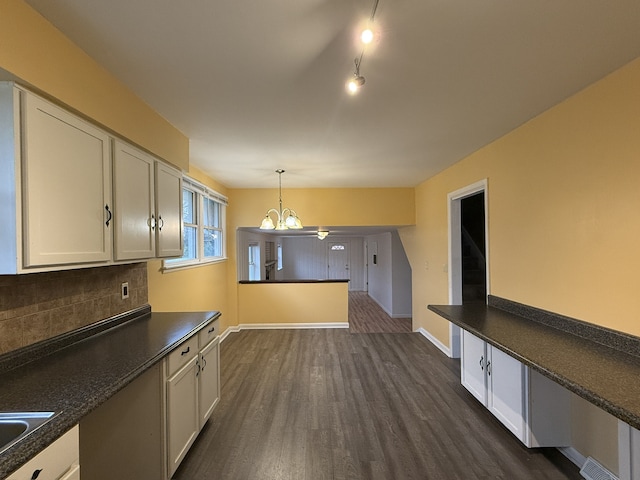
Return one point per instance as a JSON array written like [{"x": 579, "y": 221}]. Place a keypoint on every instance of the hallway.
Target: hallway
[{"x": 366, "y": 316}]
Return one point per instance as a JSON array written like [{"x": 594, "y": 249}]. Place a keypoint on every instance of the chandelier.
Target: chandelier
[{"x": 287, "y": 218}]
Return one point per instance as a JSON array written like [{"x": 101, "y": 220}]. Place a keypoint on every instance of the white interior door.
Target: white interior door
[
  {"x": 338, "y": 261},
  {"x": 254, "y": 261}
]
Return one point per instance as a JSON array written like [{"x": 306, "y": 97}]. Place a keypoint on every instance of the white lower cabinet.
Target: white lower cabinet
[
  {"x": 209, "y": 391},
  {"x": 193, "y": 391},
  {"x": 628, "y": 452},
  {"x": 59, "y": 461},
  {"x": 182, "y": 402},
  {"x": 534, "y": 408}
]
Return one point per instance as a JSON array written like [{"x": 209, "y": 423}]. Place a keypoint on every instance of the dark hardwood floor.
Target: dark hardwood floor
[
  {"x": 366, "y": 316},
  {"x": 330, "y": 404}
]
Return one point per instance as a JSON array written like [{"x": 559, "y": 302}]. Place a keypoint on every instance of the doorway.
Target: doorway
[
  {"x": 254, "y": 261},
  {"x": 338, "y": 263},
  {"x": 468, "y": 249},
  {"x": 472, "y": 239}
]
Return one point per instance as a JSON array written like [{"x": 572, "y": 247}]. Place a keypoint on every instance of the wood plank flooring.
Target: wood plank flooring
[
  {"x": 366, "y": 316},
  {"x": 330, "y": 404}
]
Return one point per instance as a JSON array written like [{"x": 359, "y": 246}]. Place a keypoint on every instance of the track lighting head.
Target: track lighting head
[
  {"x": 355, "y": 83},
  {"x": 366, "y": 36},
  {"x": 358, "y": 80}
]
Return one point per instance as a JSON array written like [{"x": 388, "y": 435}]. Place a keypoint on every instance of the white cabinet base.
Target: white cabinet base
[
  {"x": 628, "y": 451},
  {"x": 534, "y": 408}
]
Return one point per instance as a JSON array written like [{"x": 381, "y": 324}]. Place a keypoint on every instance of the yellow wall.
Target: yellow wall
[
  {"x": 316, "y": 207},
  {"x": 328, "y": 206},
  {"x": 192, "y": 289},
  {"x": 564, "y": 226},
  {"x": 39, "y": 56},
  {"x": 276, "y": 303}
]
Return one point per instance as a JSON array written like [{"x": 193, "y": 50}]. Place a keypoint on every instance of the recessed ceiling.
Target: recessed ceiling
[{"x": 261, "y": 85}]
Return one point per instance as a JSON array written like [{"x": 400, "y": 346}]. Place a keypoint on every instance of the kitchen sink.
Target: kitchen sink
[{"x": 16, "y": 425}]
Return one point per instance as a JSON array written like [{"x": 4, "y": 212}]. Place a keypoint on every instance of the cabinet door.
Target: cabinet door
[
  {"x": 507, "y": 381},
  {"x": 66, "y": 184},
  {"x": 182, "y": 413},
  {"x": 169, "y": 211},
  {"x": 209, "y": 388},
  {"x": 72, "y": 474},
  {"x": 133, "y": 202},
  {"x": 473, "y": 359}
]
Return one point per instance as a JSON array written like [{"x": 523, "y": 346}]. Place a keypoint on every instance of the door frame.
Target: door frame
[{"x": 455, "y": 251}]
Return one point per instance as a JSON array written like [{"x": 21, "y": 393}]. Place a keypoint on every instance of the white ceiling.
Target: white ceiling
[{"x": 259, "y": 85}]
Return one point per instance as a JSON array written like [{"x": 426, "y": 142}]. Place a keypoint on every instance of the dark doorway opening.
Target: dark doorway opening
[{"x": 472, "y": 235}]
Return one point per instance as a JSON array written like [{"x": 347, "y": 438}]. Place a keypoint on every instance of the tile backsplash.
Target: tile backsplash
[{"x": 39, "y": 306}]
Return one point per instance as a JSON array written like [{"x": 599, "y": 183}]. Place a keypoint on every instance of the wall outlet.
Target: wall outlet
[{"x": 124, "y": 289}]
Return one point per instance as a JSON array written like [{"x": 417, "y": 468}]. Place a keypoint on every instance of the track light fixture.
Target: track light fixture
[
  {"x": 358, "y": 80},
  {"x": 366, "y": 37}
]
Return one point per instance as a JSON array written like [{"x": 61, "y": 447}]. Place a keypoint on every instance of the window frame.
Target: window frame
[{"x": 201, "y": 192}]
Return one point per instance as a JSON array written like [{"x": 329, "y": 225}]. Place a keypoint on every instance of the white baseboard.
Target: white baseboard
[
  {"x": 280, "y": 326},
  {"x": 228, "y": 331},
  {"x": 446, "y": 350},
  {"x": 276, "y": 326},
  {"x": 574, "y": 455}
]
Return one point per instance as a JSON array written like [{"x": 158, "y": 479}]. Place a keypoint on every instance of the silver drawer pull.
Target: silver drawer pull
[{"x": 186, "y": 351}]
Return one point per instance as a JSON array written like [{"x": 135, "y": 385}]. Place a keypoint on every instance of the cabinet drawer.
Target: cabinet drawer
[
  {"x": 181, "y": 355},
  {"x": 54, "y": 461},
  {"x": 208, "y": 333}
]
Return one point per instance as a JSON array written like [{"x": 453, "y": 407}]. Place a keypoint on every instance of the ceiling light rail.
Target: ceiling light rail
[{"x": 367, "y": 35}]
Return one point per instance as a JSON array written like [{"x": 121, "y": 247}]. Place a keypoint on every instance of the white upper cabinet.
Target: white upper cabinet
[
  {"x": 169, "y": 211},
  {"x": 61, "y": 204},
  {"x": 66, "y": 187},
  {"x": 134, "y": 203}
]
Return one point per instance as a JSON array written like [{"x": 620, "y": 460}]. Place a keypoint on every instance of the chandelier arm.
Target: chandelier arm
[{"x": 274, "y": 211}]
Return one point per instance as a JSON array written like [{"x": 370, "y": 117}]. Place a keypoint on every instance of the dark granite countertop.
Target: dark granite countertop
[
  {"x": 578, "y": 359},
  {"x": 77, "y": 378}
]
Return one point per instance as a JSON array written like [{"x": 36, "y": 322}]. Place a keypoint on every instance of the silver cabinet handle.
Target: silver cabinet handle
[
  {"x": 488, "y": 368},
  {"x": 482, "y": 362}
]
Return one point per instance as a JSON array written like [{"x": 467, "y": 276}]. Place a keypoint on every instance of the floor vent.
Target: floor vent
[{"x": 592, "y": 470}]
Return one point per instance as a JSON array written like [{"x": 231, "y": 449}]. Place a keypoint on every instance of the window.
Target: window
[{"x": 203, "y": 216}]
